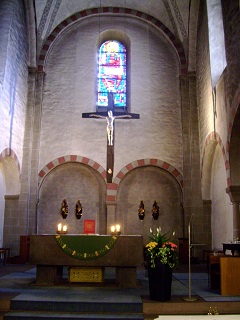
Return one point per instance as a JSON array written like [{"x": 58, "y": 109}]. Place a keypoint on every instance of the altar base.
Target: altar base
[{"x": 85, "y": 274}]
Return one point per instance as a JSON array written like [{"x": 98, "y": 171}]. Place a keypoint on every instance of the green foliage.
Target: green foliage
[{"x": 161, "y": 249}]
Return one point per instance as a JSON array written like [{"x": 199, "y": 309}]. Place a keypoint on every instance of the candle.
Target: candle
[
  {"x": 112, "y": 228},
  {"x": 65, "y": 228},
  {"x": 118, "y": 228},
  {"x": 59, "y": 227}
]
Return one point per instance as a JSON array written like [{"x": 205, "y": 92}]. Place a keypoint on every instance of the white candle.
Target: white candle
[
  {"x": 112, "y": 228},
  {"x": 59, "y": 227},
  {"x": 117, "y": 227},
  {"x": 65, "y": 228}
]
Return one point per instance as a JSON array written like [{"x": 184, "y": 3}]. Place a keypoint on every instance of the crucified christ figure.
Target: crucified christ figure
[{"x": 110, "y": 123}]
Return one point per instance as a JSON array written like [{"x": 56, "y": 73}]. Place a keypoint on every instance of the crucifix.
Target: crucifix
[{"x": 110, "y": 115}]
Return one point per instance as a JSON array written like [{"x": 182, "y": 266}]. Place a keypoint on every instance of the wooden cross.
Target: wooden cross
[{"x": 110, "y": 115}]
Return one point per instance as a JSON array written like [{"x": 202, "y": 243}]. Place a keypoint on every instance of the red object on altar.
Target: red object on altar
[{"x": 89, "y": 226}]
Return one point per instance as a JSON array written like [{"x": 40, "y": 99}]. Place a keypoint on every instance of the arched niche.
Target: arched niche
[
  {"x": 71, "y": 181},
  {"x": 9, "y": 193},
  {"x": 149, "y": 183},
  {"x": 11, "y": 175}
]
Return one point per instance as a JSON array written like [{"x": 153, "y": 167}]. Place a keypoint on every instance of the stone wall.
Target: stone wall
[
  {"x": 69, "y": 90},
  {"x": 73, "y": 182},
  {"x": 231, "y": 18},
  {"x": 13, "y": 100},
  {"x": 215, "y": 117},
  {"x": 149, "y": 184},
  {"x": 13, "y": 75}
]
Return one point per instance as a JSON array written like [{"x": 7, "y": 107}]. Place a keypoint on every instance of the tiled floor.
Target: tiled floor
[{"x": 18, "y": 280}]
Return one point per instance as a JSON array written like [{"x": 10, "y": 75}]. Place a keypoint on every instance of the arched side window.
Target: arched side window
[
  {"x": 216, "y": 40},
  {"x": 112, "y": 75}
]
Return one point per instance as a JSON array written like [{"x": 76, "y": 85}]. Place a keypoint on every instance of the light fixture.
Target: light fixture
[
  {"x": 62, "y": 229},
  {"x": 115, "y": 230}
]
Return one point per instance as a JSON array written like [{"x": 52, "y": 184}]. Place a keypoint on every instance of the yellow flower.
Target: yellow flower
[
  {"x": 151, "y": 245},
  {"x": 161, "y": 249}
]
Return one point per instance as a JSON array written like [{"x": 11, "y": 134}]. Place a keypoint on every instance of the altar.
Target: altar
[{"x": 50, "y": 253}]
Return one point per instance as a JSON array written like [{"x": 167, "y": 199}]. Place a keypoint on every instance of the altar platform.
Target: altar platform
[{"x": 17, "y": 284}]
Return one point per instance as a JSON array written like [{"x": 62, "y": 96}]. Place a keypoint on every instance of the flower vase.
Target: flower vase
[{"x": 160, "y": 282}]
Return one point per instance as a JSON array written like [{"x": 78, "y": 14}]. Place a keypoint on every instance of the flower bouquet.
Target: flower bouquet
[
  {"x": 161, "y": 249},
  {"x": 161, "y": 255}
]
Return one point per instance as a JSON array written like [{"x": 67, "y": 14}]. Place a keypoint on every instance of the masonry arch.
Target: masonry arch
[
  {"x": 9, "y": 184},
  {"x": 149, "y": 180},
  {"x": 214, "y": 183},
  {"x": 112, "y": 188},
  {"x": 73, "y": 181},
  {"x": 104, "y": 11},
  {"x": 211, "y": 143}
]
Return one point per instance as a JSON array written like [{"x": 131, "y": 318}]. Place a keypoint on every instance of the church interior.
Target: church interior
[{"x": 112, "y": 110}]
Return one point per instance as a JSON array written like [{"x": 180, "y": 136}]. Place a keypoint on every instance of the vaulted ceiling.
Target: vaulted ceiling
[{"x": 178, "y": 16}]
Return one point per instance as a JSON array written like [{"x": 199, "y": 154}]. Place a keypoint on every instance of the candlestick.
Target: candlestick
[{"x": 115, "y": 230}]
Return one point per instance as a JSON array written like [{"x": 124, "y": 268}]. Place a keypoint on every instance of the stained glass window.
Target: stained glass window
[{"x": 112, "y": 74}]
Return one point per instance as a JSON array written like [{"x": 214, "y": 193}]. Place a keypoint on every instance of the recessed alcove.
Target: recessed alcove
[{"x": 73, "y": 182}]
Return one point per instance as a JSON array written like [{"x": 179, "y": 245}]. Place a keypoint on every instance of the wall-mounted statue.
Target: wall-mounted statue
[
  {"x": 64, "y": 209},
  {"x": 155, "y": 210},
  {"x": 141, "y": 211},
  {"x": 78, "y": 209}
]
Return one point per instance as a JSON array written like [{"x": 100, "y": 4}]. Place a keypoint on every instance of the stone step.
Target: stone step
[
  {"x": 36, "y": 315},
  {"x": 80, "y": 306},
  {"x": 90, "y": 303}
]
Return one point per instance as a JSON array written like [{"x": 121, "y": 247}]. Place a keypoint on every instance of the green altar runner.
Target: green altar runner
[
  {"x": 50, "y": 253},
  {"x": 90, "y": 247}
]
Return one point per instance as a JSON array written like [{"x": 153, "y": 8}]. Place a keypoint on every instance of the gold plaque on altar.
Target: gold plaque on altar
[{"x": 76, "y": 274}]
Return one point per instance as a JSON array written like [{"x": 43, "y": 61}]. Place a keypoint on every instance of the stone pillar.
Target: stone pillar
[
  {"x": 111, "y": 219},
  {"x": 29, "y": 191},
  {"x": 192, "y": 195},
  {"x": 192, "y": 199},
  {"x": 234, "y": 194}
]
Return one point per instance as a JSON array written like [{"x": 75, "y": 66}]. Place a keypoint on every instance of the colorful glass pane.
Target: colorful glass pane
[{"x": 112, "y": 73}]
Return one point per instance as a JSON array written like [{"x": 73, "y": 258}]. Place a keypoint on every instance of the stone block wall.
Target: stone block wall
[{"x": 13, "y": 101}]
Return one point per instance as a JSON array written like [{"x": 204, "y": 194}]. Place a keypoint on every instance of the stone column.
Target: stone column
[
  {"x": 29, "y": 191},
  {"x": 192, "y": 200},
  {"x": 234, "y": 194},
  {"x": 111, "y": 210}
]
